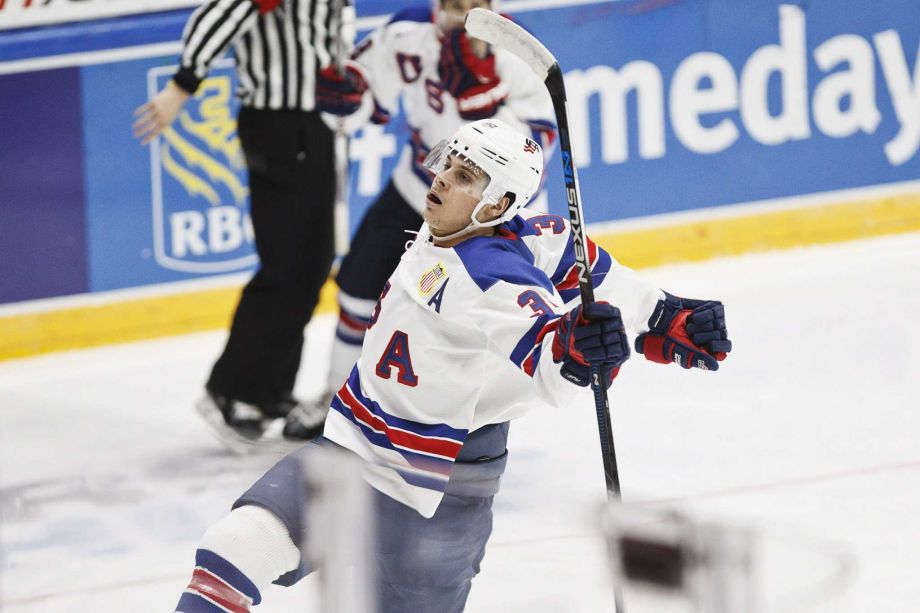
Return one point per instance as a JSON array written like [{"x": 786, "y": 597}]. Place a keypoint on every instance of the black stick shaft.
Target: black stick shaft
[{"x": 556, "y": 87}]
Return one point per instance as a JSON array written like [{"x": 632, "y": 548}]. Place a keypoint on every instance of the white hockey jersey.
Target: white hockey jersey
[
  {"x": 400, "y": 60},
  {"x": 461, "y": 338}
]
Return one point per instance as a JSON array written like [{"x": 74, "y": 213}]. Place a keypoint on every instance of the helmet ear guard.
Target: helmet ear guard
[{"x": 513, "y": 162}]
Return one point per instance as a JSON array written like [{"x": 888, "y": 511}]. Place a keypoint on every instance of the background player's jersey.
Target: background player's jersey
[
  {"x": 461, "y": 338},
  {"x": 400, "y": 60}
]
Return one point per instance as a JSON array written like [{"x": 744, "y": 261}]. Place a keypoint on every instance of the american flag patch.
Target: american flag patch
[
  {"x": 530, "y": 146},
  {"x": 431, "y": 278}
]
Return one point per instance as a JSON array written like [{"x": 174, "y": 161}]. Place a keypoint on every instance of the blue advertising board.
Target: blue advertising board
[
  {"x": 176, "y": 208},
  {"x": 675, "y": 105},
  {"x": 702, "y": 103},
  {"x": 179, "y": 208},
  {"x": 42, "y": 212}
]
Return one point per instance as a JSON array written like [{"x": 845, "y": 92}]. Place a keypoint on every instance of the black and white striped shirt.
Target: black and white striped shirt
[{"x": 279, "y": 49}]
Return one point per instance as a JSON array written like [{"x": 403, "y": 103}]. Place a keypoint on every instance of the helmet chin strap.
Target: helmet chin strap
[{"x": 474, "y": 224}]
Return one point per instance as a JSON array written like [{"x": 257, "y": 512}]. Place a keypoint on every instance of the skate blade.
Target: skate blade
[{"x": 237, "y": 443}]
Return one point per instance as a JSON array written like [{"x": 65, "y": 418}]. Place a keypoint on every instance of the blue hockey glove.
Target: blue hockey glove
[
  {"x": 689, "y": 332},
  {"x": 340, "y": 94},
  {"x": 591, "y": 337}
]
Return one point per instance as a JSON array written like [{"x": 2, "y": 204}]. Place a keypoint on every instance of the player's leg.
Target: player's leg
[
  {"x": 424, "y": 564},
  {"x": 236, "y": 558},
  {"x": 375, "y": 251},
  {"x": 258, "y": 543},
  {"x": 429, "y": 564},
  {"x": 291, "y": 183}
]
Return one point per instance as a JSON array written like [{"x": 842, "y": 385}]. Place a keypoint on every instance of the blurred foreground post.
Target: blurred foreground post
[{"x": 339, "y": 541}]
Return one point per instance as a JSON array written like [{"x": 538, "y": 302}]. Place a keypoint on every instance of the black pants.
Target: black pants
[
  {"x": 378, "y": 244},
  {"x": 290, "y": 155}
]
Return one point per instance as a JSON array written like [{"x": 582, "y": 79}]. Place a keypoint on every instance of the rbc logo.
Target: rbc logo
[{"x": 201, "y": 220}]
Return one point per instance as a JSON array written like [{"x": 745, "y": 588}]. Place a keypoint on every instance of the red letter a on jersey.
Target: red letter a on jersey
[{"x": 397, "y": 355}]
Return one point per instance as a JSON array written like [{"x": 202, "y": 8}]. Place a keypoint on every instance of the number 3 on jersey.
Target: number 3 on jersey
[{"x": 397, "y": 356}]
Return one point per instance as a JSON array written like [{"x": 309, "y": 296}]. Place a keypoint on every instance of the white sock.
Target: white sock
[
  {"x": 256, "y": 542},
  {"x": 237, "y": 557}
]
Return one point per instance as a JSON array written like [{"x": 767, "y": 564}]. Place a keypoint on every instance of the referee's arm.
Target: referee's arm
[{"x": 210, "y": 31}]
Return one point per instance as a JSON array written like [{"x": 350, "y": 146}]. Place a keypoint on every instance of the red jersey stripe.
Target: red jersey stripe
[{"x": 414, "y": 442}]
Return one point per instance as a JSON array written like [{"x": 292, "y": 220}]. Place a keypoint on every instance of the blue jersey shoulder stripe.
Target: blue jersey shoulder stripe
[
  {"x": 565, "y": 263},
  {"x": 531, "y": 339},
  {"x": 598, "y": 274},
  {"x": 490, "y": 259},
  {"x": 420, "y": 14},
  {"x": 519, "y": 226},
  {"x": 601, "y": 267},
  {"x": 535, "y": 225}
]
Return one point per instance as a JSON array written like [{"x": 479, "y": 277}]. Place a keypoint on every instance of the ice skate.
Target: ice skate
[
  {"x": 305, "y": 421},
  {"x": 238, "y": 425}
]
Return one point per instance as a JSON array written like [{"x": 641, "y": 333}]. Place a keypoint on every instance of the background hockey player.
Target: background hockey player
[
  {"x": 444, "y": 79},
  {"x": 289, "y": 158},
  {"x": 478, "y": 324}
]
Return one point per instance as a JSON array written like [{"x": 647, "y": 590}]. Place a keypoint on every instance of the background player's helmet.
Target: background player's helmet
[{"x": 513, "y": 162}]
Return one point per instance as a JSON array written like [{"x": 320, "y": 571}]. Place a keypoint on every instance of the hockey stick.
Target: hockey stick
[
  {"x": 340, "y": 210},
  {"x": 501, "y": 32}
]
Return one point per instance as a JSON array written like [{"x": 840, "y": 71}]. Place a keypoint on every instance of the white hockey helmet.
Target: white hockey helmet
[{"x": 513, "y": 162}]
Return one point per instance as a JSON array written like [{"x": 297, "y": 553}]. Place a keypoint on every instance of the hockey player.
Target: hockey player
[
  {"x": 444, "y": 79},
  {"x": 478, "y": 324}
]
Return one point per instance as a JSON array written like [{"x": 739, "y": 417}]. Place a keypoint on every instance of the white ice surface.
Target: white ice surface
[{"x": 811, "y": 428}]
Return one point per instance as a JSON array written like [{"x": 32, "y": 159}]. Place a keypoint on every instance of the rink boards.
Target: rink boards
[{"x": 700, "y": 128}]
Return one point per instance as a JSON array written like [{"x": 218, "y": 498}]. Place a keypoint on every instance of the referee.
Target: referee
[{"x": 280, "y": 47}]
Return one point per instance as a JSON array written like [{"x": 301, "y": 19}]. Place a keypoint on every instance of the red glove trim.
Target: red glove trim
[
  {"x": 562, "y": 327},
  {"x": 653, "y": 348},
  {"x": 660, "y": 348},
  {"x": 678, "y": 329}
]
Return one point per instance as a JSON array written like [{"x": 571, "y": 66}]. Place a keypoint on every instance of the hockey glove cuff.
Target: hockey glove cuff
[
  {"x": 482, "y": 101},
  {"x": 689, "y": 332},
  {"x": 588, "y": 337}
]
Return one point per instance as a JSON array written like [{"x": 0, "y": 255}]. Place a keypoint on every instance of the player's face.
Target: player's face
[
  {"x": 453, "y": 12},
  {"x": 454, "y": 193}
]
